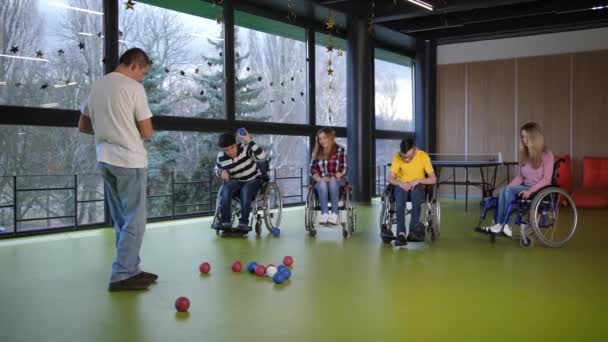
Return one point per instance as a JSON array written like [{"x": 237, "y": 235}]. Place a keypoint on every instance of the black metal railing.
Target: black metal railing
[{"x": 180, "y": 196}]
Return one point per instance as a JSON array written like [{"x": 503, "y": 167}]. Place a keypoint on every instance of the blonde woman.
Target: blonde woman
[
  {"x": 536, "y": 169},
  {"x": 328, "y": 170}
]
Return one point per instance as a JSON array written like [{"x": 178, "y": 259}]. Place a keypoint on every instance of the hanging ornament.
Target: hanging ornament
[
  {"x": 248, "y": 68},
  {"x": 330, "y": 72},
  {"x": 372, "y": 15},
  {"x": 202, "y": 93},
  {"x": 340, "y": 52},
  {"x": 209, "y": 64},
  {"x": 196, "y": 71},
  {"x": 218, "y": 13},
  {"x": 167, "y": 70},
  {"x": 14, "y": 49},
  {"x": 221, "y": 54},
  {"x": 99, "y": 34},
  {"x": 291, "y": 16},
  {"x": 44, "y": 86},
  {"x": 293, "y": 100},
  {"x": 81, "y": 45},
  {"x": 301, "y": 93},
  {"x": 103, "y": 60},
  {"x": 119, "y": 33},
  {"x": 181, "y": 72},
  {"x": 282, "y": 84},
  {"x": 330, "y": 23},
  {"x": 60, "y": 52},
  {"x": 292, "y": 78},
  {"x": 236, "y": 79},
  {"x": 271, "y": 84},
  {"x": 39, "y": 54},
  {"x": 129, "y": 5},
  {"x": 260, "y": 79},
  {"x": 330, "y": 48},
  {"x": 18, "y": 84}
]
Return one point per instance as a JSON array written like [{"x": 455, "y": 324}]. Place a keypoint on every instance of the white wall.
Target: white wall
[{"x": 538, "y": 45}]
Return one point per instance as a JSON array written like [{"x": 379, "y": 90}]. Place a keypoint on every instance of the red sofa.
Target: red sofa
[{"x": 594, "y": 190}]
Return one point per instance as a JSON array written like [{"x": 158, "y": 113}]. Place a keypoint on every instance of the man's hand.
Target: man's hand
[
  {"x": 407, "y": 186},
  {"x": 246, "y": 138},
  {"x": 414, "y": 183},
  {"x": 225, "y": 175}
]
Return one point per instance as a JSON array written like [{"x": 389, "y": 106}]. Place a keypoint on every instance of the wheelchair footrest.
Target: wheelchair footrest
[
  {"x": 235, "y": 232},
  {"x": 388, "y": 236}
]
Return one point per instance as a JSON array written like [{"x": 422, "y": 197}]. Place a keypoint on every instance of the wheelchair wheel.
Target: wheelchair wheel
[
  {"x": 258, "y": 227},
  {"x": 435, "y": 223},
  {"x": 273, "y": 205},
  {"x": 349, "y": 226},
  {"x": 552, "y": 222},
  {"x": 526, "y": 242},
  {"x": 310, "y": 214}
]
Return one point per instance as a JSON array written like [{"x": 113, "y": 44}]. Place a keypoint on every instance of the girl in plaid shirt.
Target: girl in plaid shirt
[{"x": 328, "y": 170}]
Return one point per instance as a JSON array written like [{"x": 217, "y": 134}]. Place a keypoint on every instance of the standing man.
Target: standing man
[{"x": 117, "y": 114}]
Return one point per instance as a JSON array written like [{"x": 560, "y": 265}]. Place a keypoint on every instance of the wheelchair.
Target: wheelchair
[
  {"x": 267, "y": 206},
  {"x": 549, "y": 215},
  {"x": 430, "y": 214},
  {"x": 347, "y": 219}
]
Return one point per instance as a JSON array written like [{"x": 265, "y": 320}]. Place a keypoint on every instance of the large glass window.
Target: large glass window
[
  {"x": 50, "y": 52},
  {"x": 385, "y": 151},
  {"x": 41, "y": 168},
  {"x": 394, "y": 92},
  {"x": 187, "y": 75},
  {"x": 330, "y": 86},
  {"x": 270, "y": 67}
]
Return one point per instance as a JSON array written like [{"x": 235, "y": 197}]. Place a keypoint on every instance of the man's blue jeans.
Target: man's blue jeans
[
  {"x": 417, "y": 197},
  {"x": 247, "y": 190},
  {"x": 126, "y": 198}
]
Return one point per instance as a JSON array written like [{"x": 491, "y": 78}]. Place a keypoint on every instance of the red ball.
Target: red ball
[
  {"x": 204, "y": 267},
  {"x": 260, "y": 270},
  {"x": 182, "y": 304},
  {"x": 288, "y": 261},
  {"x": 237, "y": 266}
]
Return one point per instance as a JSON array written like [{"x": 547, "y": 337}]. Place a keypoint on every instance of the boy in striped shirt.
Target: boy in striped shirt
[{"x": 237, "y": 166}]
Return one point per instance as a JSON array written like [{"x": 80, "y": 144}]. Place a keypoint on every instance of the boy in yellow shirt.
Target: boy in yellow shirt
[{"x": 411, "y": 170}]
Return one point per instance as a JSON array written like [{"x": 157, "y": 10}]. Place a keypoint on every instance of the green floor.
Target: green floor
[{"x": 53, "y": 288}]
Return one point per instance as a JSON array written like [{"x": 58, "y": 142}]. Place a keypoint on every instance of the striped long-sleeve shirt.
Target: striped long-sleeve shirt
[
  {"x": 243, "y": 167},
  {"x": 329, "y": 167}
]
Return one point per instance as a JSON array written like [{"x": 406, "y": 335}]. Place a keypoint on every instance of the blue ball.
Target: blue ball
[
  {"x": 281, "y": 267},
  {"x": 279, "y": 278},
  {"x": 286, "y": 272},
  {"x": 242, "y": 132},
  {"x": 276, "y": 231},
  {"x": 251, "y": 266}
]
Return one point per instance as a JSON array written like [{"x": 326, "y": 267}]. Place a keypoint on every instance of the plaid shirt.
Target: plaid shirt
[{"x": 329, "y": 167}]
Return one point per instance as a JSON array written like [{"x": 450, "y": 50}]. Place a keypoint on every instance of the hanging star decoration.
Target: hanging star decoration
[
  {"x": 44, "y": 86},
  {"x": 196, "y": 71},
  {"x": 103, "y": 60},
  {"x": 14, "y": 49},
  {"x": 260, "y": 79},
  {"x": 18, "y": 84},
  {"x": 282, "y": 84},
  {"x": 301, "y": 93},
  {"x": 293, "y": 100},
  {"x": 370, "y": 25},
  {"x": 39, "y": 54},
  {"x": 221, "y": 54},
  {"x": 81, "y": 45},
  {"x": 237, "y": 55},
  {"x": 340, "y": 52},
  {"x": 99, "y": 34},
  {"x": 271, "y": 84},
  {"x": 218, "y": 19},
  {"x": 60, "y": 52},
  {"x": 167, "y": 70},
  {"x": 330, "y": 48},
  {"x": 202, "y": 93},
  {"x": 292, "y": 78},
  {"x": 181, "y": 72},
  {"x": 236, "y": 79},
  {"x": 248, "y": 68},
  {"x": 330, "y": 71},
  {"x": 214, "y": 87},
  {"x": 330, "y": 23},
  {"x": 129, "y": 5},
  {"x": 291, "y": 16},
  {"x": 120, "y": 33},
  {"x": 209, "y": 63},
  {"x": 67, "y": 82}
]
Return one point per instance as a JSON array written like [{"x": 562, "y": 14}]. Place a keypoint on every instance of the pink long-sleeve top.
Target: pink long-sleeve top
[{"x": 535, "y": 178}]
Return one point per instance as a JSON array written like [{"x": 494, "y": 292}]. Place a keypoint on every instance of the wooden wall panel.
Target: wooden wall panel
[
  {"x": 451, "y": 116},
  {"x": 491, "y": 108},
  {"x": 450, "y": 108},
  {"x": 590, "y": 107},
  {"x": 543, "y": 96}
]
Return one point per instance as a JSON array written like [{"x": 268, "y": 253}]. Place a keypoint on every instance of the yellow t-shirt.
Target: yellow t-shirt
[{"x": 417, "y": 168}]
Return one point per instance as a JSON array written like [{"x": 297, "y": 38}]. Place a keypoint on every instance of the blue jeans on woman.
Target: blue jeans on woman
[
  {"x": 333, "y": 189},
  {"x": 507, "y": 195},
  {"x": 126, "y": 198}
]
